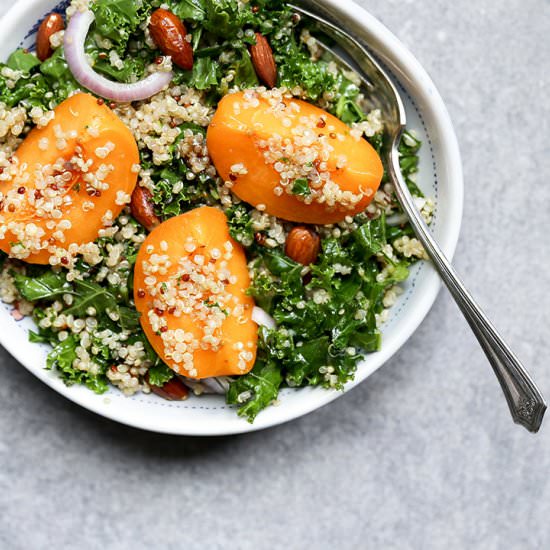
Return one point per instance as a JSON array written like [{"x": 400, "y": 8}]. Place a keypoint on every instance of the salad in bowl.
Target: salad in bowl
[{"x": 192, "y": 200}]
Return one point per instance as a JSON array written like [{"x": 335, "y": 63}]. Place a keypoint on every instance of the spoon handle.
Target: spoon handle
[{"x": 526, "y": 402}]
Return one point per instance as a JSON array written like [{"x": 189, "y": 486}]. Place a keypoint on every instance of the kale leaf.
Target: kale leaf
[
  {"x": 297, "y": 69},
  {"x": 371, "y": 236},
  {"x": 245, "y": 74},
  {"x": 189, "y": 9},
  {"x": 133, "y": 68},
  {"x": 257, "y": 389},
  {"x": 300, "y": 187},
  {"x": 20, "y": 60},
  {"x": 42, "y": 85},
  {"x": 225, "y": 18},
  {"x": 240, "y": 224},
  {"x": 408, "y": 149},
  {"x": 117, "y": 20},
  {"x": 47, "y": 286},
  {"x": 347, "y": 108},
  {"x": 62, "y": 358},
  {"x": 205, "y": 74}
]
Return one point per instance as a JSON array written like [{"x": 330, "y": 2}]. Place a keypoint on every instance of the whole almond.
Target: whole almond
[
  {"x": 170, "y": 36},
  {"x": 303, "y": 245},
  {"x": 50, "y": 25},
  {"x": 173, "y": 390},
  {"x": 143, "y": 209},
  {"x": 263, "y": 61}
]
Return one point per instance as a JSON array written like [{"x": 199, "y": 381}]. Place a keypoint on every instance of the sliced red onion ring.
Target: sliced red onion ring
[
  {"x": 75, "y": 36},
  {"x": 262, "y": 318},
  {"x": 218, "y": 386}
]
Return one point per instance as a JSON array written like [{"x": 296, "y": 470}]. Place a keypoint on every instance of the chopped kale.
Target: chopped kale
[
  {"x": 347, "y": 108},
  {"x": 240, "y": 224},
  {"x": 225, "y": 18},
  {"x": 256, "y": 390},
  {"x": 202, "y": 190},
  {"x": 189, "y": 9},
  {"x": 46, "y": 286},
  {"x": 62, "y": 358},
  {"x": 205, "y": 74},
  {"x": 118, "y": 20},
  {"x": 325, "y": 324},
  {"x": 20, "y": 60},
  {"x": 301, "y": 187},
  {"x": 408, "y": 161}
]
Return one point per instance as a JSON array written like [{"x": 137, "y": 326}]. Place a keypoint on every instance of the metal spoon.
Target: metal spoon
[{"x": 526, "y": 402}]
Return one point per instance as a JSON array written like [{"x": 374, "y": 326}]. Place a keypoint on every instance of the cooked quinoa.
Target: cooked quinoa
[{"x": 328, "y": 314}]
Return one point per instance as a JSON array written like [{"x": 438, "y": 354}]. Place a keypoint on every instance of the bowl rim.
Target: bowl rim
[{"x": 385, "y": 43}]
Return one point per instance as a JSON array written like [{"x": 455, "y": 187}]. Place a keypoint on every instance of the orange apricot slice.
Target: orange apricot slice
[
  {"x": 292, "y": 159},
  {"x": 66, "y": 181},
  {"x": 190, "y": 285}
]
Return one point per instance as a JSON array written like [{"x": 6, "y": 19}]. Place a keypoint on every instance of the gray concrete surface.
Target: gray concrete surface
[{"x": 423, "y": 455}]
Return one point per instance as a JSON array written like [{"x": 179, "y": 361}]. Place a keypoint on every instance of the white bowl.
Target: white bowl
[{"x": 440, "y": 178}]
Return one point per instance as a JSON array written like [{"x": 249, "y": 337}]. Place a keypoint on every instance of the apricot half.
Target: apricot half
[
  {"x": 66, "y": 181},
  {"x": 190, "y": 287},
  {"x": 292, "y": 159}
]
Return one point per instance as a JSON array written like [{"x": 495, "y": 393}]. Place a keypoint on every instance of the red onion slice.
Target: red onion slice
[
  {"x": 262, "y": 318},
  {"x": 209, "y": 386},
  {"x": 75, "y": 36}
]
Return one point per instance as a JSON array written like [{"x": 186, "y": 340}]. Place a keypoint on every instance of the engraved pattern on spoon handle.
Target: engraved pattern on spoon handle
[{"x": 525, "y": 401}]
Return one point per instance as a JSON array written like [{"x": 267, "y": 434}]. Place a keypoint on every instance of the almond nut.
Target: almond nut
[
  {"x": 50, "y": 25},
  {"x": 173, "y": 390},
  {"x": 303, "y": 245},
  {"x": 263, "y": 61},
  {"x": 170, "y": 36},
  {"x": 143, "y": 209}
]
